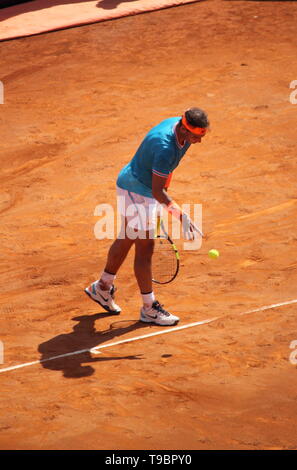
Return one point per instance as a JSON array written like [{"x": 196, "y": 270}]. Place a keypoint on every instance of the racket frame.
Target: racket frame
[{"x": 165, "y": 236}]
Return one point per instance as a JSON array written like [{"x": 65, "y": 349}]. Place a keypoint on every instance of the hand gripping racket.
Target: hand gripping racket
[{"x": 165, "y": 261}]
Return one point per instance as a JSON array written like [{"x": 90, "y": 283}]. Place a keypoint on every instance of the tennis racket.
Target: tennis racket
[{"x": 165, "y": 261}]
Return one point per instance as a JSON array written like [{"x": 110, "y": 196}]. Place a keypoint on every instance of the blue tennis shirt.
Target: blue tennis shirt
[{"x": 159, "y": 153}]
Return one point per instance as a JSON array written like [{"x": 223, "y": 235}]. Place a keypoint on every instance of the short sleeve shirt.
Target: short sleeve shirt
[{"x": 159, "y": 153}]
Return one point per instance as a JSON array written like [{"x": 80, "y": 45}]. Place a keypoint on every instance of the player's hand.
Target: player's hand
[{"x": 190, "y": 230}]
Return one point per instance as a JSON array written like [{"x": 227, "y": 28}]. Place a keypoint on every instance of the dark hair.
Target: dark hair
[{"x": 197, "y": 117}]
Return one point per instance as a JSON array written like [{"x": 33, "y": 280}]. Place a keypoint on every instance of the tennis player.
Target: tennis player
[{"x": 141, "y": 185}]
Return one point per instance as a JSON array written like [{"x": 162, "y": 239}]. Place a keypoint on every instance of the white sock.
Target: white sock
[
  {"x": 148, "y": 299},
  {"x": 106, "y": 280}
]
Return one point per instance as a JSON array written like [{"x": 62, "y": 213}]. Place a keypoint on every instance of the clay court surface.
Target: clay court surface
[{"x": 77, "y": 104}]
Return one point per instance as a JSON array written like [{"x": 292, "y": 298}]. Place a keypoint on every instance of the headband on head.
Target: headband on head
[{"x": 195, "y": 130}]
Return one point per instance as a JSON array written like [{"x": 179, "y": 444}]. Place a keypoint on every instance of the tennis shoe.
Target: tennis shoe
[
  {"x": 157, "y": 314},
  {"x": 103, "y": 297}
]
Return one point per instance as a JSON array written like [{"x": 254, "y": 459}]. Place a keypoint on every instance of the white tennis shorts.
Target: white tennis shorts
[{"x": 138, "y": 214}]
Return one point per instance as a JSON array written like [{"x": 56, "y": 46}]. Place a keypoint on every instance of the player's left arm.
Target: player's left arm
[{"x": 159, "y": 190}]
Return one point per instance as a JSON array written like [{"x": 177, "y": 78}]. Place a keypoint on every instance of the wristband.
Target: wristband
[{"x": 174, "y": 209}]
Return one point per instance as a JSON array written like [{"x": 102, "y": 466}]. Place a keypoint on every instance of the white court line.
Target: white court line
[
  {"x": 270, "y": 306},
  {"x": 189, "y": 325},
  {"x": 137, "y": 338}
]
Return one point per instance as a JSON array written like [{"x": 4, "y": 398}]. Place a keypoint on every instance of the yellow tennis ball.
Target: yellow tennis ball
[{"x": 213, "y": 254}]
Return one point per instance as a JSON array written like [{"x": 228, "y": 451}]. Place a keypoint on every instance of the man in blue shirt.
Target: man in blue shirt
[
  {"x": 143, "y": 183},
  {"x": 159, "y": 154}
]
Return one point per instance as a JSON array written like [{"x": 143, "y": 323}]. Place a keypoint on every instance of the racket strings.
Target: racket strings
[{"x": 164, "y": 263}]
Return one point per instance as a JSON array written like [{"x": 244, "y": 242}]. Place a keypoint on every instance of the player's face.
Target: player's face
[{"x": 193, "y": 138}]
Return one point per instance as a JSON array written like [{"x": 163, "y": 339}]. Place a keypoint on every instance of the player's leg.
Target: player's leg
[
  {"x": 102, "y": 291},
  {"x": 116, "y": 256},
  {"x": 143, "y": 264},
  {"x": 151, "y": 311}
]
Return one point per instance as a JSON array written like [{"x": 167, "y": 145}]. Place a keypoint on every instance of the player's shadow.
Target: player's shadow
[
  {"x": 74, "y": 347},
  {"x": 25, "y": 6},
  {"x": 264, "y": 0},
  {"x": 111, "y": 4}
]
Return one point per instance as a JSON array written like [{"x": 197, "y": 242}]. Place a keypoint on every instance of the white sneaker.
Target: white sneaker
[
  {"x": 103, "y": 297},
  {"x": 156, "y": 314}
]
